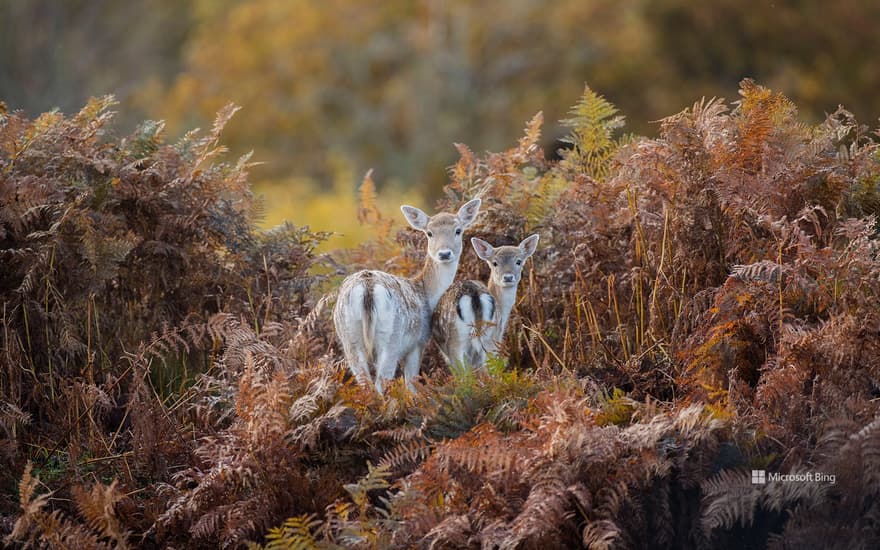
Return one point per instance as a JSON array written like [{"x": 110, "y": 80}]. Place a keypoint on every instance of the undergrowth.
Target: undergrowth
[{"x": 703, "y": 304}]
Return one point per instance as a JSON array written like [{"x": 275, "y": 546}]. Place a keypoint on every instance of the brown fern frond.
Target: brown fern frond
[
  {"x": 481, "y": 450},
  {"x": 547, "y": 507},
  {"x": 31, "y": 507},
  {"x": 528, "y": 144},
  {"x": 600, "y": 535},
  {"x": 368, "y": 210},
  {"x": 452, "y": 532},
  {"x": 764, "y": 270},
  {"x": 407, "y": 453},
  {"x": 98, "y": 507},
  {"x": 730, "y": 498},
  {"x": 52, "y": 530}
]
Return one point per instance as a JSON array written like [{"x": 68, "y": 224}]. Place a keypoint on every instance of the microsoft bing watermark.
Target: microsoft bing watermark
[{"x": 761, "y": 477}]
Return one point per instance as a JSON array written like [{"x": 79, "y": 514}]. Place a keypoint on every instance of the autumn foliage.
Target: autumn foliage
[{"x": 702, "y": 304}]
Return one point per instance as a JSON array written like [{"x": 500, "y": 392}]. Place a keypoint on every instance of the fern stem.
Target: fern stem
[
  {"x": 663, "y": 245},
  {"x": 48, "y": 339},
  {"x": 254, "y": 312},
  {"x": 546, "y": 345},
  {"x": 621, "y": 329},
  {"x": 268, "y": 291}
]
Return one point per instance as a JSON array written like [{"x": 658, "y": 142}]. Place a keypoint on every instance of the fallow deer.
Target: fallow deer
[
  {"x": 470, "y": 318},
  {"x": 383, "y": 320}
]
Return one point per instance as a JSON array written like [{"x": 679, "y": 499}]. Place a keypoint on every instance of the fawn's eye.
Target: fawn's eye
[
  {"x": 458, "y": 231},
  {"x": 430, "y": 234},
  {"x": 519, "y": 262},
  {"x": 495, "y": 264}
]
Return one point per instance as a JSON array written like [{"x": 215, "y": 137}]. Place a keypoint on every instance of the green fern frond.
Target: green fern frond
[
  {"x": 376, "y": 478},
  {"x": 593, "y": 121},
  {"x": 615, "y": 408},
  {"x": 544, "y": 198},
  {"x": 294, "y": 534}
]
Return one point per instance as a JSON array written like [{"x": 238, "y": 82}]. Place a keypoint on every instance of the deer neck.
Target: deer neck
[
  {"x": 505, "y": 298},
  {"x": 435, "y": 278}
]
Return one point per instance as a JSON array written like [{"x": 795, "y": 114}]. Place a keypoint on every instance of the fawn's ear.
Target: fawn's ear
[
  {"x": 483, "y": 249},
  {"x": 529, "y": 245},
  {"x": 468, "y": 213},
  {"x": 415, "y": 217}
]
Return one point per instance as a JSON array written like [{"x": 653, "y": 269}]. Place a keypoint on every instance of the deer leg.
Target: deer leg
[
  {"x": 357, "y": 364},
  {"x": 412, "y": 365},
  {"x": 461, "y": 361},
  {"x": 386, "y": 368},
  {"x": 360, "y": 367},
  {"x": 356, "y": 359},
  {"x": 457, "y": 351}
]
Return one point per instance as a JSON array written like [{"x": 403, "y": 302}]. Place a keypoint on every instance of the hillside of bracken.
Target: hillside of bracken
[{"x": 701, "y": 304}]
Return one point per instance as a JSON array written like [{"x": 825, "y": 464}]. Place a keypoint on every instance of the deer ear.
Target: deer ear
[
  {"x": 468, "y": 213},
  {"x": 483, "y": 249},
  {"x": 415, "y": 217},
  {"x": 529, "y": 245}
]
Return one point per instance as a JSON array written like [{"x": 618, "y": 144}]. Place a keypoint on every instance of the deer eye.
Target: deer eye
[
  {"x": 519, "y": 262},
  {"x": 495, "y": 264},
  {"x": 430, "y": 234},
  {"x": 458, "y": 231}
]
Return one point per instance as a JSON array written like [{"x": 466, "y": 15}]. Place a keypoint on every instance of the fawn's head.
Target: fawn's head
[
  {"x": 506, "y": 262},
  {"x": 444, "y": 230}
]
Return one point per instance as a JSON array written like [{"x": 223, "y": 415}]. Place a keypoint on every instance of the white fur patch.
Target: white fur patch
[
  {"x": 355, "y": 310},
  {"x": 488, "y": 306},
  {"x": 465, "y": 306}
]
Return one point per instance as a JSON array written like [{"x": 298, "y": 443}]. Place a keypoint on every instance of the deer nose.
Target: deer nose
[
  {"x": 508, "y": 278},
  {"x": 444, "y": 255}
]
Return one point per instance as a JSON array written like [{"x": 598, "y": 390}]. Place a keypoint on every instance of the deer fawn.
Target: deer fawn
[
  {"x": 383, "y": 320},
  {"x": 470, "y": 319}
]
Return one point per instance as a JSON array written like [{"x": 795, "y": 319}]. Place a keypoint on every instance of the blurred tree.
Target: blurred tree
[
  {"x": 58, "y": 54},
  {"x": 821, "y": 54},
  {"x": 391, "y": 84},
  {"x": 340, "y": 86}
]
